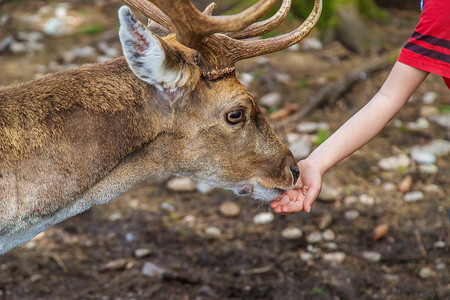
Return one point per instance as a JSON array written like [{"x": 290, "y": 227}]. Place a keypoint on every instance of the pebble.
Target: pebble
[
  {"x": 388, "y": 186},
  {"x": 439, "y": 244},
  {"x": 117, "y": 264},
  {"x": 371, "y": 256},
  {"x": 291, "y": 233},
  {"x": 413, "y": 196},
  {"x": 394, "y": 162},
  {"x": 379, "y": 232},
  {"x": 229, "y": 209},
  {"x": 329, "y": 193},
  {"x": 351, "y": 215},
  {"x": 428, "y": 169},
  {"x": 151, "y": 270},
  {"x": 331, "y": 246},
  {"x": 306, "y": 256},
  {"x": 282, "y": 77},
  {"x": 422, "y": 156},
  {"x": 405, "y": 185},
  {"x": 181, "y": 184},
  {"x": 366, "y": 200},
  {"x": 204, "y": 188},
  {"x": 115, "y": 216},
  {"x": 300, "y": 148},
  {"x": 311, "y": 43},
  {"x": 328, "y": 235},
  {"x": 213, "y": 231},
  {"x": 438, "y": 147},
  {"x": 334, "y": 257},
  {"x": 263, "y": 218},
  {"x": 142, "y": 252},
  {"x": 246, "y": 79},
  {"x": 271, "y": 100},
  {"x": 426, "y": 273},
  {"x": 350, "y": 200},
  {"x": 314, "y": 237},
  {"x": 167, "y": 206},
  {"x": 207, "y": 291},
  {"x": 421, "y": 124},
  {"x": 431, "y": 188},
  {"x": 442, "y": 120},
  {"x": 428, "y": 110},
  {"x": 325, "y": 221},
  {"x": 311, "y": 127},
  {"x": 392, "y": 278},
  {"x": 429, "y": 97}
]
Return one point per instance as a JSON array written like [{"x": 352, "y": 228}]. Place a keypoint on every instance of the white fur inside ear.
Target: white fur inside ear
[{"x": 144, "y": 53}]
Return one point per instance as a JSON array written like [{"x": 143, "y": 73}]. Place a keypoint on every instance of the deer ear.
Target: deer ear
[{"x": 146, "y": 54}]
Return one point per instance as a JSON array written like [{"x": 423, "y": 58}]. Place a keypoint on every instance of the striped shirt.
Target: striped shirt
[{"x": 428, "y": 48}]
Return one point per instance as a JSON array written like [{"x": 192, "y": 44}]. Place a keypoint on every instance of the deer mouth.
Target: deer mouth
[{"x": 256, "y": 191}]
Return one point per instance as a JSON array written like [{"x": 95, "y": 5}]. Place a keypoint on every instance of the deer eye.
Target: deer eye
[{"x": 235, "y": 116}]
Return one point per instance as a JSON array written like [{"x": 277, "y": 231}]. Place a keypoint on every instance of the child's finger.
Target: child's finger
[{"x": 293, "y": 206}]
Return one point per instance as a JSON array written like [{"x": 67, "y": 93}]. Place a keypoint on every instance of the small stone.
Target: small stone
[
  {"x": 246, "y": 79},
  {"x": 431, "y": 188},
  {"x": 388, "y": 186},
  {"x": 271, "y": 100},
  {"x": 428, "y": 169},
  {"x": 422, "y": 156},
  {"x": 311, "y": 127},
  {"x": 405, "y": 185},
  {"x": 204, "y": 188},
  {"x": 351, "y": 215},
  {"x": 181, "y": 184},
  {"x": 350, "y": 200},
  {"x": 413, "y": 196},
  {"x": 331, "y": 246},
  {"x": 115, "y": 216},
  {"x": 328, "y": 235},
  {"x": 427, "y": 111},
  {"x": 334, "y": 257},
  {"x": 291, "y": 233},
  {"x": 329, "y": 193},
  {"x": 429, "y": 97},
  {"x": 300, "y": 148},
  {"x": 366, "y": 200},
  {"x": 229, "y": 209},
  {"x": 439, "y": 244},
  {"x": 421, "y": 124},
  {"x": 325, "y": 221},
  {"x": 117, "y": 264},
  {"x": 379, "y": 232},
  {"x": 213, "y": 231},
  {"x": 442, "y": 120},
  {"x": 263, "y": 218},
  {"x": 153, "y": 271},
  {"x": 311, "y": 43},
  {"x": 371, "y": 256},
  {"x": 142, "y": 252},
  {"x": 306, "y": 256},
  {"x": 394, "y": 162},
  {"x": 207, "y": 291},
  {"x": 167, "y": 206},
  {"x": 392, "y": 278},
  {"x": 426, "y": 272},
  {"x": 438, "y": 147},
  {"x": 314, "y": 237}
]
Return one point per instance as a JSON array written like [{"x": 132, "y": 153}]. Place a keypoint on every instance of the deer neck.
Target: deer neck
[{"x": 72, "y": 140}]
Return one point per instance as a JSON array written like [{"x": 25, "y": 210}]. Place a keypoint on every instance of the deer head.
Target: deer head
[
  {"x": 190, "y": 58},
  {"x": 173, "y": 106}
]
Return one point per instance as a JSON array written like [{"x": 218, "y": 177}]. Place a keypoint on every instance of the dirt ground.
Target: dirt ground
[{"x": 93, "y": 255}]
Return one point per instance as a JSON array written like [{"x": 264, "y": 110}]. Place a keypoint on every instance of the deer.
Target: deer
[{"x": 170, "y": 106}]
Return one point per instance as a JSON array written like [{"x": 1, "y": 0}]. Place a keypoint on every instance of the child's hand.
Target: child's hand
[{"x": 303, "y": 198}]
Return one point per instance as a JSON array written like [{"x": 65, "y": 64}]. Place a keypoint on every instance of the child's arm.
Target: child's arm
[{"x": 357, "y": 131}]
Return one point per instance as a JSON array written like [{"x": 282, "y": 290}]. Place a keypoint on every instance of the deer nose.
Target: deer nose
[{"x": 295, "y": 173}]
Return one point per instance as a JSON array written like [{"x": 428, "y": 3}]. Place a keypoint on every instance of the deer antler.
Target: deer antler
[{"x": 224, "y": 40}]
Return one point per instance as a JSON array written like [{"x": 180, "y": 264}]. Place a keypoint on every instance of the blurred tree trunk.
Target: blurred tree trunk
[{"x": 348, "y": 21}]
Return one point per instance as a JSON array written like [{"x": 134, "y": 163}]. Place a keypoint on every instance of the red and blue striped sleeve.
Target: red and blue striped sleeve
[{"x": 428, "y": 48}]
